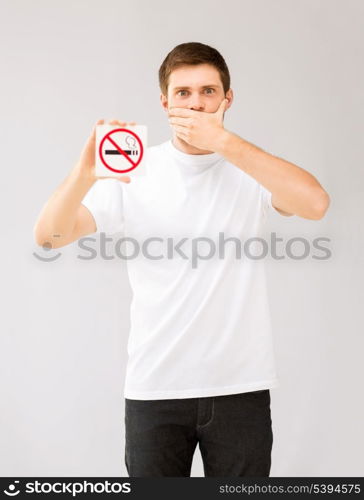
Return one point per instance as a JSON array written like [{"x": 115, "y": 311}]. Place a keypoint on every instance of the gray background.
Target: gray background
[{"x": 296, "y": 70}]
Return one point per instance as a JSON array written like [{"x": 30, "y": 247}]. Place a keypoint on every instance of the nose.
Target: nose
[{"x": 196, "y": 103}]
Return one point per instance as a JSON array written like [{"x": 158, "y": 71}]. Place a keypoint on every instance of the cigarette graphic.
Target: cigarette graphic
[{"x": 116, "y": 152}]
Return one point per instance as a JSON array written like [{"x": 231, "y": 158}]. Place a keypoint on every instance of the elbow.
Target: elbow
[
  {"x": 41, "y": 239},
  {"x": 49, "y": 241},
  {"x": 320, "y": 205}
]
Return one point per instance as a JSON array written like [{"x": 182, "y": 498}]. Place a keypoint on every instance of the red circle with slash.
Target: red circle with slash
[{"x": 107, "y": 137}]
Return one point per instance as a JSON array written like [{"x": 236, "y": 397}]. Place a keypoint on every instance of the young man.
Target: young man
[{"x": 201, "y": 360}]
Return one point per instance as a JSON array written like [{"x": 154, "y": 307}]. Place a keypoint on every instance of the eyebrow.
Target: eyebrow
[{"x": 203, "y": 87}]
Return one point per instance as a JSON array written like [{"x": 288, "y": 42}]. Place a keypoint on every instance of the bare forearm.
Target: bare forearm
[
  {"x": 293, "y": 189},
  {"x": 58, "y": 216}
]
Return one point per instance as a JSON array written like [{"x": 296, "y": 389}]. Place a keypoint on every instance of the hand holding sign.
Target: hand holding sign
[
  {"x": 86, "y": 164},
  {"x": 120, "y": 149}
]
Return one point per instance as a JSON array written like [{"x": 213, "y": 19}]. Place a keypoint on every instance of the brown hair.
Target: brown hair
[{"x": 193, "y": 53}]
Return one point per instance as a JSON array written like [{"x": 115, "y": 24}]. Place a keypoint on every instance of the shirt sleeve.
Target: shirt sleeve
[
  {"x": 105, "y": 202},
  {"x": 266, "y": 197}
]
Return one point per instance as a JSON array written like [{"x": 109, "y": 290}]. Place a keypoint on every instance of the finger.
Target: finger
[
  {"x": 122, "y": 178},
  {"x": 184, "y": 112},
  {"x": 93, "y": 131},
  {"x": 182, "y": 136},
  {"x": 117, "y": 122},
  {"x": 99, "y": 122},
  {"x": 180, "y": 129},
  {"x": 177, "y": 120},
  {"x": 131, "y": 123}
]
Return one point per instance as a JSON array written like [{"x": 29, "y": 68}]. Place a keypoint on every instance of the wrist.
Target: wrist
[
  {"x": 80, "y": 175},
  {"x": 222, "y": 142}
]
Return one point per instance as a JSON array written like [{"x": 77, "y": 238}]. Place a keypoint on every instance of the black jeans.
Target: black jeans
[{"x": 234, "y": 433}]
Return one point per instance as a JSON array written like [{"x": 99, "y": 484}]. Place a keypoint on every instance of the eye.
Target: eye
[
  {"x": 212, "y": 90},
  {"x": 181, "y": 91}
]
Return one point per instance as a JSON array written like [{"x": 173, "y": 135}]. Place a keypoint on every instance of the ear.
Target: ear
[
  {"x": 164, "y": 102},
  {"x": 230, "y": 97}
]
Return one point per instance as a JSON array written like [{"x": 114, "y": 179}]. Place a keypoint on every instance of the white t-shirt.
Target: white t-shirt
[{"x": 200, "y": 318}]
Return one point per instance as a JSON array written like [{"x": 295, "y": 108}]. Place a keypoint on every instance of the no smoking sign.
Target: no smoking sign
[{"x": 120, "y": 150}]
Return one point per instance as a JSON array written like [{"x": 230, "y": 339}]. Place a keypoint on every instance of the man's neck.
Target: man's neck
[{"x": 187, "y": 148}]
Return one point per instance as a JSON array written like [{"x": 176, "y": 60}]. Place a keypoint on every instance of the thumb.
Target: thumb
[
  {"x": 124, "y": 178},
  {"x": 222, "y": 107},
  {"x": 93, "y": 133}
]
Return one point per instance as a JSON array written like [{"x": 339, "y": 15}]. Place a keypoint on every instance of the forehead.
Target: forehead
[{"x": 194, "y": 76}]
